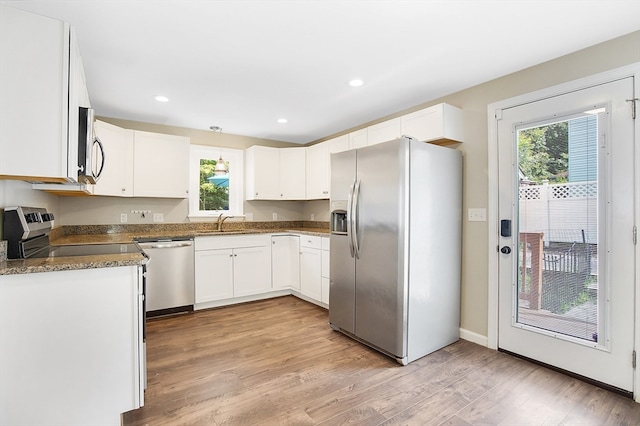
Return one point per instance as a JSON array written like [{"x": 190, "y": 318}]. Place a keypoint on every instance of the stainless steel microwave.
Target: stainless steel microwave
[{"x": 90, "y": 149}]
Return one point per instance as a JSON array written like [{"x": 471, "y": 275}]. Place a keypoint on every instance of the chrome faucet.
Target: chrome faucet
[{"x": 221, "y": 220}]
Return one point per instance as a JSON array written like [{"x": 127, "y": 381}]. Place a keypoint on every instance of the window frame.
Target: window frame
[{"x": 235, "y": 158}]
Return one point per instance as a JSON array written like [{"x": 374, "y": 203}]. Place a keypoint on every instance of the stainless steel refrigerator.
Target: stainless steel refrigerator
[{"x": 396, "y": 217}]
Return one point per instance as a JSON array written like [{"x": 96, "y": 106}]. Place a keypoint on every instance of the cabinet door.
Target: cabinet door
[
  {"x": 318, "y": 171},
  {"x": 338, "y": 144},
  {"x": 82, "y": 329},
  {"x": 311, "y": 273},
  {"x": 438, "y": 122},
  {"x": 358, "y": 139},
  {"x": 292, "y": 173},
  {"x": 262, "y": 173},
  {"x": 325, "y": 270},
  {"x": 285, "y": 262},
  {"x": 384, "y": 132},
  {"x": 117, "y": 176},
  {"x": 34, "y": 83},
  {"x": 160, "y": 165},
  {"x": 251, "y": 270},
  {"x": 325, "y": 290},
  {"x": 214, "y": 275}
]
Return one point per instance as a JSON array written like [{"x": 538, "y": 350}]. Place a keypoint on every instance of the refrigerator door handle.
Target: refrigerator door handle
[
  {"x": 350, "y": 218},
  {"x": 355, "y": 207}
]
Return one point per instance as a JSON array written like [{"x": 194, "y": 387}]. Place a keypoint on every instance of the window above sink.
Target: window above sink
[{"x": 210, "y": 194}]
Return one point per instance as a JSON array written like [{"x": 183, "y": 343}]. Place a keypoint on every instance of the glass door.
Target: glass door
[{"x": 567, "y": 265}]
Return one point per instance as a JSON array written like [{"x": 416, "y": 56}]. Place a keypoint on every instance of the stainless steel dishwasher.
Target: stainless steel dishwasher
[{"x": 170, "y": 275}]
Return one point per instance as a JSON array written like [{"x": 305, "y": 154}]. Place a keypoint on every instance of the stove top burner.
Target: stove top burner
[
  {"x": 27, "y": 232},
  {"x": 87, "y": 250}
]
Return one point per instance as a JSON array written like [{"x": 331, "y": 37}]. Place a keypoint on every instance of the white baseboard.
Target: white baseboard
[
  {"x": 237, "y": 300},
  {"x": 472, "y": 337}
]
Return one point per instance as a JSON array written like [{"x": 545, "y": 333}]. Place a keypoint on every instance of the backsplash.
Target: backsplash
[{"x": 173, "y": 228}]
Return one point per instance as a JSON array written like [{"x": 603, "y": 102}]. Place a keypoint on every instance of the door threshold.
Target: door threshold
[{"x": 605, "y": 386}]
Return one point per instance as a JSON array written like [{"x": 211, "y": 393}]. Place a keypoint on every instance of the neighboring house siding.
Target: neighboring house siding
[{"x": 583, "y": 145}]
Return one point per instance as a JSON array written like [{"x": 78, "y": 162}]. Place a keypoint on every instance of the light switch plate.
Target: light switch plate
[{"x": 477, "y": 215}]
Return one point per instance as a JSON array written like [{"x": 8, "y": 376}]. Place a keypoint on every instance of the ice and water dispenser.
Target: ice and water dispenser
[{"x": 339, "y": 217}]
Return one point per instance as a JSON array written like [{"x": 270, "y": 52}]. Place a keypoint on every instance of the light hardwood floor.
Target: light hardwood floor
[{"x": 277, "y": 362}]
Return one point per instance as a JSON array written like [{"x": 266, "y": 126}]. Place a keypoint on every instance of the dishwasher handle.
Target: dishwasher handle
[{"x": 165, "y": 244}]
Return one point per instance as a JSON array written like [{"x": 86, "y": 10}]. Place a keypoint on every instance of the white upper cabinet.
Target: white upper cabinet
[
  {"x": 293, "y": 173},
  {"x": 358, "y": 139},
  {"x": 41, "y": 78},
  {"x": 383, "y": 132},
  {"x": 262, "y": 173},
  {"x": 275, "y": 173},
  {"x": 160, "y": 165},
  {"x": 318, "y": 170},
  {"x": 117, "y": 176},
  {"x": 319, "y": 166},
  {"x": 440, "y": 123},
  {"x": 339, "y": 144}
]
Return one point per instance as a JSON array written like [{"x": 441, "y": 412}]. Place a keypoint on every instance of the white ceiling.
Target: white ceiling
[{"x": 243, "y": 64}]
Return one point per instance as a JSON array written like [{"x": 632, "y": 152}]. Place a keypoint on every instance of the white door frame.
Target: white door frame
[{"x": 493, "y": 109}]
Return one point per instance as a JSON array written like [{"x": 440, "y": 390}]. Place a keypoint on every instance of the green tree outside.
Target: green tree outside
[
  {"x": 212, "y": 197},
  {"x": 543, "y": 153}
]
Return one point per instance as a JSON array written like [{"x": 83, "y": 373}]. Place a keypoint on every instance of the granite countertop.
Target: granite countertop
[
  {"x": 124, "y": 234},
  {"x": 50, "y": 264}
]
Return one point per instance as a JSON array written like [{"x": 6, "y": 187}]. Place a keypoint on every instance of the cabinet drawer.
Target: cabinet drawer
[
  {"x": 311, "y": 241},
  {"x": 231, "y": 241}
]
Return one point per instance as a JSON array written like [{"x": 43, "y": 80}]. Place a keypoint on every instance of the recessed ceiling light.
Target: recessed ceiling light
[
  {"x": 356, "y": 82},
  {"x": 161, "y": 98},
  {"x": 282, "y": 120}
]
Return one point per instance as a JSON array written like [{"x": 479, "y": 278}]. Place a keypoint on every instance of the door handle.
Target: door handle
[
  {"x": 354, "y": 215},
  {"x": 505, "y": 250}
]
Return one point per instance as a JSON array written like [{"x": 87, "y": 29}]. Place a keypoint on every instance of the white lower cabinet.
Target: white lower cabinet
[
  {"x": 71, "y": 347},
  {"x": 228, "y": 267},
  {"x": 311, "y": 267},
  {"x": 214, "y": 275},
  {"x": 325, "y": 270},
  {"x": 251, "y": 270},
  {"x": 285, "y": 262},
  {"x": 232, "y": 269}
]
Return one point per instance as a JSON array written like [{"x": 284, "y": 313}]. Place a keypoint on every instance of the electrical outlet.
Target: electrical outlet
[
  {"x": 477, "y": 215},
  {"x": 123, "y": 218},
  {"x": 248, "y": 216},
  {"x": 313, "y": 217},
  {"x": 158, "y": 217},
  {"x": 275, "y": 216}
]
